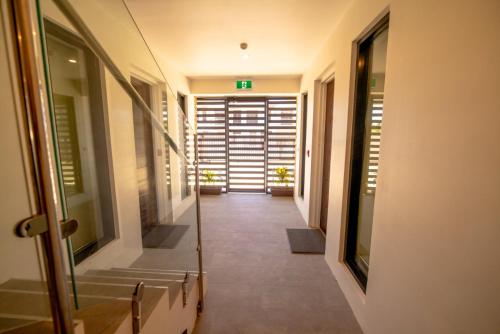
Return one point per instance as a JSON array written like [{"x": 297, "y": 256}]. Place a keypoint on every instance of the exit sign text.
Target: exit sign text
[{"x": 243, "y": 84}]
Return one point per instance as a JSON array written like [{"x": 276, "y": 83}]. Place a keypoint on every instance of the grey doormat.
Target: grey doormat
[
  {"x": 305, "y": 240},
  {"x": 164, "y": 236}
]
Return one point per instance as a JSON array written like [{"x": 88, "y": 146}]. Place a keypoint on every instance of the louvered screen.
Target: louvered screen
[
  {"x": 376, "y": 103},
  {"x": 67, "y": 139},
  {"x": 247, "y": 131},
  {"x": 244, "y": 139},
  {"x": 164, "y": 110},
  {"x": 281, "y": 134},
  {"x": 211, "y": 125}
]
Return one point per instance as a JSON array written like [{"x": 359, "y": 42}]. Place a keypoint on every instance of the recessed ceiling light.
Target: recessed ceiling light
[{"x": 72, "y": 61}]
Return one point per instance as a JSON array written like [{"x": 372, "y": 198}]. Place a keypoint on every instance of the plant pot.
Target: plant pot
[
  {"x": 210, "y": 190},
  {"x": 282, "y": 191}
]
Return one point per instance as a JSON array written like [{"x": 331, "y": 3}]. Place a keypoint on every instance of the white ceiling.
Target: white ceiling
[{"x": 201, "y": 38}]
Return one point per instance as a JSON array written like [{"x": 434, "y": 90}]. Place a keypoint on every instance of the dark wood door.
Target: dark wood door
[
  {"x": 327, "y": 154},
  {"x": 144, "y": 151}
]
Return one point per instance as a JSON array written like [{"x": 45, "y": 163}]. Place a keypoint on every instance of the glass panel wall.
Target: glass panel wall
[
  {"x": 133, "y": 170},
  {"x": 24, "y": 299}
]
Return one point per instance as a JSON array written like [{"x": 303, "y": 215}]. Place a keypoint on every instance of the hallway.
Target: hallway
[{"x": 255, "y": 284}]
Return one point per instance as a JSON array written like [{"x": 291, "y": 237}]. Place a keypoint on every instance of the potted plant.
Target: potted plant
[
  {"x": 282, "y": 188},
  {"x": 209, "y": 188}
]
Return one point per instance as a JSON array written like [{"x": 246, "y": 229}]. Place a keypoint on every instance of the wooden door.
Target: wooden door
[
  {"x": 327, "y": 154},
  {"x": 144, "y": 151}
]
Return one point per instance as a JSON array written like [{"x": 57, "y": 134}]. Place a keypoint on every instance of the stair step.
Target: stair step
[
  {"x": 8, "y": 323},
  {"x": 174, "y": 287},
  {"x": 22, "y": 304},
  {"x": 137, "y": 274},
  {"x": 32, "y": 326},
  {"x": 115, "y": 311},
  {"x": 176, "y": 274},
  {"x": 155, "y": 270},
  {"x": 89, "y": 294}
]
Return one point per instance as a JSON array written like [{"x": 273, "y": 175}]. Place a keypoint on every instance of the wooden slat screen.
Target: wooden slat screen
[
  {"x": 244, "y": 139},
  {"x": 164, "y": 110},
  {"x": 246, "y": 126},
  {"x": 281, "y": 135},
  {"x": 376, "y": 104},
  {"x": 212, "y": 140},
  {"x": 69, "y": 147}
]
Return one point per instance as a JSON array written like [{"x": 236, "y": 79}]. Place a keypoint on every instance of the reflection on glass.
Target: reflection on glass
[
  {"x": 154, "y": 198},
  {"x": 145, "y": 160},
  {"x": 366, "y": 132},
  {"x": 81, "y": 139},
  {"x": 183, "y": 131},
  {"x": 371, "y": 147}
]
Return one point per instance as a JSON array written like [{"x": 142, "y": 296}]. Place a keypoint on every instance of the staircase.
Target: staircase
[{"x": 169, "y": 303}]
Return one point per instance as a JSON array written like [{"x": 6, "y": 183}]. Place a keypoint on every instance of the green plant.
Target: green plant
[
  {"x": 283, "y": 175},
  {"x": 208, "y": 176}
]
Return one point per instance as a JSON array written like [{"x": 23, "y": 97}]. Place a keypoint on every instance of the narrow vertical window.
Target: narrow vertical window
[
  {"x": 367, "y": 126},
  {"x": 303, "y": 136},
  {"x": 184, "y": 142}
]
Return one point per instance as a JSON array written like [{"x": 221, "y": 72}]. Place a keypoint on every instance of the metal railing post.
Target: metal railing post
[
  {"x": 38, "y": 119},
  {"x": 201, "y": 302},
  {"x": 137, "y": 308}
]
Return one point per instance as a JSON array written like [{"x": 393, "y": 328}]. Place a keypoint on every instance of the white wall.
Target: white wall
[{"x": 434, "y": 249}]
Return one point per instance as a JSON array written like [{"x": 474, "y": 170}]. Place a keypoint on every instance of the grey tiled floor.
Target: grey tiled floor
[{"x": 255, "y": 284}]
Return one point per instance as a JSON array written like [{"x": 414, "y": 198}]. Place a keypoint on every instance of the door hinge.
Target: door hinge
[{"x": 37, "y": 225}]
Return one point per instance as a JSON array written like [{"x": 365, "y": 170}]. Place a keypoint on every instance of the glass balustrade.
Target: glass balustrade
[
  {"x": 125, "y": 158},
  {"x": 24, "y": 298}
]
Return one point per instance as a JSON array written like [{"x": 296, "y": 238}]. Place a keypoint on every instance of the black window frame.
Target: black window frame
[
  {"x": 303, "y": 137},
  {"x": 184, "y": 127},
  {"x": 357, "y": 139}
]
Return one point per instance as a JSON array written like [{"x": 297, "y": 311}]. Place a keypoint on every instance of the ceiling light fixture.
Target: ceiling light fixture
[
  {"x": 72, "y": 61},
  {"x": 244, "y": 46}
]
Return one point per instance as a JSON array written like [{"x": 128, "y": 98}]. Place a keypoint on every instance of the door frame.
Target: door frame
[
  {"x": 318, "y": 145},
  {"x": 154, "y": 141}
]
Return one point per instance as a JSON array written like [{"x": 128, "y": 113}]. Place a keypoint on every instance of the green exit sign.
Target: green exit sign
[{"x": 243, "y": 84}]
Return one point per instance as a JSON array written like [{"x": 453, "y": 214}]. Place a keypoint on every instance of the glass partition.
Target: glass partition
[
  {"x": 24, "y": 299},
  {"x": 125, "y": 157}
]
